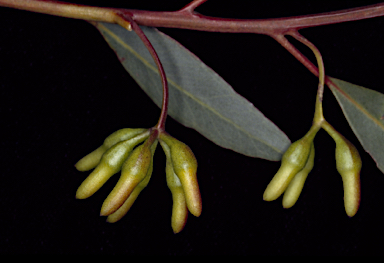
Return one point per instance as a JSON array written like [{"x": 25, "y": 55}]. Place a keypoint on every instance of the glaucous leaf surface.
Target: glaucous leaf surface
[
  {"x": 364, "y": 110},
  {"x": 198, "y": 97}
]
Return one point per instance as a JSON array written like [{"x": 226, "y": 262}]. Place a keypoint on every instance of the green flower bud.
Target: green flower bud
[
  {"x": 133, "y": 172},
  {"x": 122, "y": 211},
  {"x": 179, "y": 207},
  {"x": 91, "y": 160},
  {"x": 293, "y": 161},
  {"x": 293, "y": 191},
  {"x": 122, "y": 135},
  {"x": 185, "y": 167},
  {"x": 110, "y": 163},
  {"x": 348, "y": 164}
]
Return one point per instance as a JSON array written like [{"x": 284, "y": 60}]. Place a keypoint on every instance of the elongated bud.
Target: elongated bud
[
  {"x": 122, "y": 135},
  {"x": 185, "y": 167},
  {"x": 348, "y": 164},
  {"x": 122, "y": 211},
  {"x": 133, "y": 172},
  {"x": 91, "y": 160},
  {"x": 293, "y": 161},
  {"x": 110, "y": 164},
  {"x": 293, "y": 191},
  {"x": 179, "y": 206}
]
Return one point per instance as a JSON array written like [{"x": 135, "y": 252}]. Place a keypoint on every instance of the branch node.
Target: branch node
[
  {"x": 190, "y": 8},
  {"x": 122, "y": 21}
]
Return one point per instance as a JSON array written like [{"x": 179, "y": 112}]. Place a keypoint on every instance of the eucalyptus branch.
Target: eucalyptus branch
[
  {"x": 195, "y": 21},
  {"x": 186, "y": 18}
]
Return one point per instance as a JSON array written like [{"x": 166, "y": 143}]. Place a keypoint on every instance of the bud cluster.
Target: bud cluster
[
  {"x": 121, "y": 152},
  {"x": 298, "y": 161}
]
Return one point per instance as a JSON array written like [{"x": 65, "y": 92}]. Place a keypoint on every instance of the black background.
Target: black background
[{"x": 63, "y": 91}]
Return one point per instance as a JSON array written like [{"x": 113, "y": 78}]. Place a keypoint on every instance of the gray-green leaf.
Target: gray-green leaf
[
  {"x": 198, "y": 97},
  {"x": 364, "y": 110}
]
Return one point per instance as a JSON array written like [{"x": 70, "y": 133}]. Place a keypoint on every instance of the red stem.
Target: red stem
[
  {"x": 164, "y": 109},
  {"x": 297, "y": 54},
  {"x": 301, "y": 58},
  {"x": 194, "y": 21},
  {"x": 187, "y": 19}
]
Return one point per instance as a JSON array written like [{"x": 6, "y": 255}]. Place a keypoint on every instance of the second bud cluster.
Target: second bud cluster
[{"x": 298, "y": 161}]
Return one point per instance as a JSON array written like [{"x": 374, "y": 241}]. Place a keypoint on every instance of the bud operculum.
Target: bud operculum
[{"x": 91, "y": 160}]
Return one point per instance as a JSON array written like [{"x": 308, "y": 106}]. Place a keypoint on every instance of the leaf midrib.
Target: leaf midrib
[{"x": 357, "y": 105}]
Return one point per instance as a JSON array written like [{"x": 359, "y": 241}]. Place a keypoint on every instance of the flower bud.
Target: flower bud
[
  {"x": 293, "y": 161},
  {"x": 185, "y": 167},
  {"x": 122, "y": 135},
  {"x": 133, "y": 172},
  {"x": 110, "y": 163},
  {"x": 116, "y": 216},
  {"x": 348, "y": 164},
  {"x": 179, "y": 206},
  {"x": 91, "y": 160},
  {"x": 123, "y": 210},
  {"x": 293, "y": 191}
]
